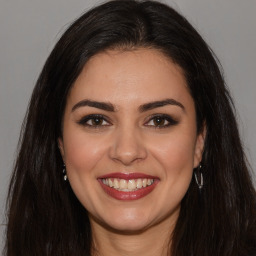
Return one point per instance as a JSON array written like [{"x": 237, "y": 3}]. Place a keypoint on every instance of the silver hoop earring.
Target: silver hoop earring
[
  {"x": 65, "y": 177},
  {"x": 200, "y": 182}
]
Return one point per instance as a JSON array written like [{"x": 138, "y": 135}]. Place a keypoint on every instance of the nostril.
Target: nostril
[
  {"x": 127, "y": 147},
  {"x": 128, "y": 157}
]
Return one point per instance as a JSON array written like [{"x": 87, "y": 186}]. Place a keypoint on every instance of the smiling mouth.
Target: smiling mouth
[
  {"x": 127, "y": 185},
  {"x": 130, "y": 186}
]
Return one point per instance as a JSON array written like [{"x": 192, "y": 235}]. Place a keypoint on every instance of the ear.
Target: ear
[
  {"x": 199, "y": 147},
  {"x": 61, "y": 147}
]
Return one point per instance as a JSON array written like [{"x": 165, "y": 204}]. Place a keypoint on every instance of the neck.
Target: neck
[{"x": 153, "y": 241}]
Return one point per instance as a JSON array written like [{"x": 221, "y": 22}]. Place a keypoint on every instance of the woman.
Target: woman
[{"x": 130, "y": 145}]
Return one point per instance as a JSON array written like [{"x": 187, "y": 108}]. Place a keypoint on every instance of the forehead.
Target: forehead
[{"x": 130, "y": 76}]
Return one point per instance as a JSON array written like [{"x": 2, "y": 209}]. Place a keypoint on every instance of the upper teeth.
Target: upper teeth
[{"x": 127, "y": 185}]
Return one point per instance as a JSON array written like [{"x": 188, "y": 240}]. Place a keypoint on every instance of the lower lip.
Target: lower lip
[{"x": 132, "y": 195}]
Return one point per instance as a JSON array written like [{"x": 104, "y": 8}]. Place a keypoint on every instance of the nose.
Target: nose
[{"x": 128, "y": 147}]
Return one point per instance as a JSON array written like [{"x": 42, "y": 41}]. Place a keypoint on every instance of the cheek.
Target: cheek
[
  {"x": 175, "y": 153},
  {"x": 175, "y": 157},
  {"x": 82, "y": 156},
  {"x": 82, "y": 152}
]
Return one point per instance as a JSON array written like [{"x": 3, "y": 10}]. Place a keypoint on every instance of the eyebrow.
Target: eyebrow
[
  {"x": 161, "y": 103},
  {"x": 95, "y": 104},
  {"x": 142, "y": 108}
]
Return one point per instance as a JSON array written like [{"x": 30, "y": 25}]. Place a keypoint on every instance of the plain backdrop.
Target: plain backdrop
[{"x": 29, "y": 29}]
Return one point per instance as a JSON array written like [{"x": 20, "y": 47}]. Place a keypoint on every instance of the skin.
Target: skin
[{"x": 128, "y": 141}]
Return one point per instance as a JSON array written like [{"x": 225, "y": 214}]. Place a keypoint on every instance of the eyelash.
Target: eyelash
[
  {"x": 84, "y": 121},
  {"x": 163, "y": 117}
]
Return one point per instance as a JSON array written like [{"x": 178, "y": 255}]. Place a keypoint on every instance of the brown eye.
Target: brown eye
[
  {"x": 94, "y": 121},
  {"x": 161, "y": 121}
]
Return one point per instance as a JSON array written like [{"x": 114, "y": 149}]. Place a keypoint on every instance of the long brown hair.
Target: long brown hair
[{"x": 45, "y": 217}]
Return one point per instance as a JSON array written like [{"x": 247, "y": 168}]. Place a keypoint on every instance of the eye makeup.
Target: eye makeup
[
  {"x": 158, "y": 121},
  {"x": 94, "y": 121}
]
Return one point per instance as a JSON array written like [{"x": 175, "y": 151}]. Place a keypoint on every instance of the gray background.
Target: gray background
[{"x": 29, "y": 29}]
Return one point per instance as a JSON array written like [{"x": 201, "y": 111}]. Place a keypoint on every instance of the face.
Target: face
[{"x": 130, "y": 141}]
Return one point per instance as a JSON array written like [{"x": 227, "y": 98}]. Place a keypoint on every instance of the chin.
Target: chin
[
  {"x": 126, "y": 221},
  {"x": 127, "y": 227}
]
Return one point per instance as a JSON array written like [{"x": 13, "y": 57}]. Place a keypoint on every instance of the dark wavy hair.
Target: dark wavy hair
[{"x": 44, "y": 216}]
